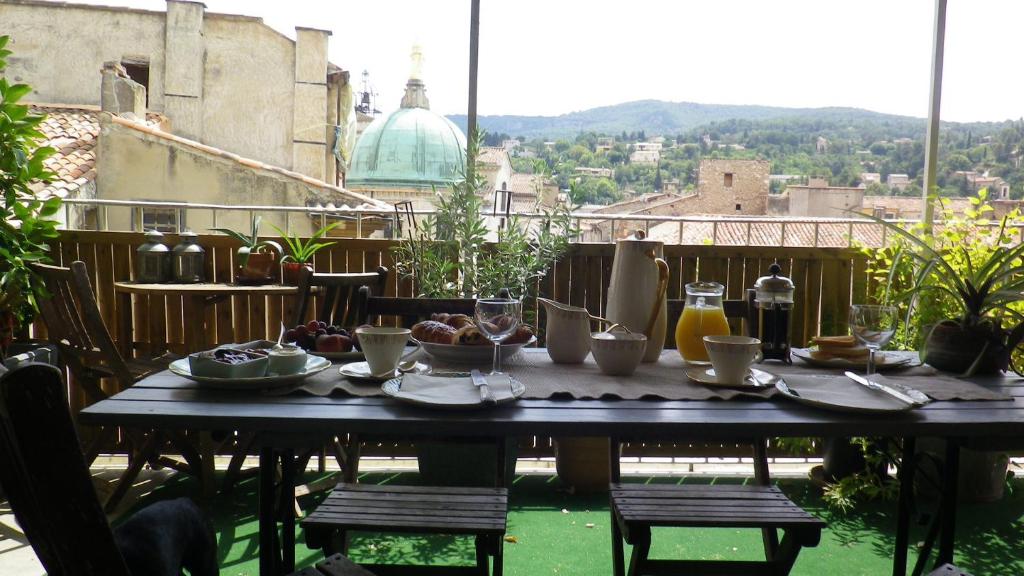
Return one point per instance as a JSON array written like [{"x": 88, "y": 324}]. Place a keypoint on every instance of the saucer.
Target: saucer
[
  {"x": 361, "y": 371},
  {"x": 755, "y": 379}
]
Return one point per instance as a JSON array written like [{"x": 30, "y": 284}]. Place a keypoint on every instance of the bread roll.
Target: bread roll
[
  {"x": 522, "y": 335},
  {"x": 434, "y": 332},
  {"x": 470, "y": 335}
]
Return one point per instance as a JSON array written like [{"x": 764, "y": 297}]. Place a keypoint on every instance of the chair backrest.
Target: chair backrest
[
  {"x": 46, "y": 479},
  {"x": 412, "y": 310},
  {"x": 75, "y": 326},
  {"x": 337, "y": 295}
]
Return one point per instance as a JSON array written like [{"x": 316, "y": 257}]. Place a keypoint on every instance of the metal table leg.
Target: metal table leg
[
  {"x": 904, "y": 507},
  {"x": 269, "y": 554},
  {"x": 950, "y": 476}
]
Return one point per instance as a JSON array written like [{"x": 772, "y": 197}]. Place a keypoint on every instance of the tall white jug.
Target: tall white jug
[{"x": 636, "y": 295}]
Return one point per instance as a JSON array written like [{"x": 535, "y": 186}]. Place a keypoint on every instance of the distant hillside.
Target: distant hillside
[{"x": 668, "y": 118}]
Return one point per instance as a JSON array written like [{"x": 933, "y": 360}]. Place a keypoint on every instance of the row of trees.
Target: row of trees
[{"x": 854, "y": 146}]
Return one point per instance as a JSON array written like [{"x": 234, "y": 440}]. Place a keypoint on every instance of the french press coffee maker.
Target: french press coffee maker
[{"x": 773, "y": 308}]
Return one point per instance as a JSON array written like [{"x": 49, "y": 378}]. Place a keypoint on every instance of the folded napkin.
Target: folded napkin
[
  {"x": 453, "y": 391},
  {"x": 842, "y": 392}
]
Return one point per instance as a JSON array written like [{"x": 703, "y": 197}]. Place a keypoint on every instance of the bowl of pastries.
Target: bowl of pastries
[
  {"x": 455, "y": 338},
  {"x": 846, "y": 352}
]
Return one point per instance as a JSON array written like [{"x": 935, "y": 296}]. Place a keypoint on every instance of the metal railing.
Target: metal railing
[{"x": 844, "y": 227}]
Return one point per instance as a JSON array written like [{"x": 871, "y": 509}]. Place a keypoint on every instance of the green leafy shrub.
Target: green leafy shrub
[{"x": 27, "y": 223}]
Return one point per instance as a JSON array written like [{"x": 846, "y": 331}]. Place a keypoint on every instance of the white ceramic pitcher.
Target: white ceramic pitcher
[
  {"x": 567, "y": 331},
  {"x": 636, "y": 295}
]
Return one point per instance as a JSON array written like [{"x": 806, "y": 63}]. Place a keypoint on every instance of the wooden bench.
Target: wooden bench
[
  {"x": 480, "y": 512},
  {"x": 638, "y": 507},
  {"x": 336, "y": 565}
]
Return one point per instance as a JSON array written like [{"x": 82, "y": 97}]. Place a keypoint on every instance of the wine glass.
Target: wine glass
[
  {"x": 497, "y": 319},
  {"x": 873, "y": 326}
]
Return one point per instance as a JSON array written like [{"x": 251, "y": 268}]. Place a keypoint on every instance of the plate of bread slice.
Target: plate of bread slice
[
  {"x": 845, "y": 352},
  {"x": 455, "y": 338}
]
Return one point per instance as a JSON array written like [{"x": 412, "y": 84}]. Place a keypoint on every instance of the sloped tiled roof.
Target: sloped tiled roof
[
  {"x": 492, "y": 155},
  {"x": 762, "y": 233},
  {"x": 72, "y": 131}
]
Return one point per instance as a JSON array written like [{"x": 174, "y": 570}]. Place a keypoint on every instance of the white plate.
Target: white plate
[
  {"x": 361, "y": 371},
  {"x": 314, "y": 365},
  {"x": 393, "y": 388},
  {"x": 350, "y": 356},
  {"x": 706, "y": 375},
  {"x": 462, "y": 354},
  {"x": 883, "y": 360},
  {"x": 882, "y": 403}
]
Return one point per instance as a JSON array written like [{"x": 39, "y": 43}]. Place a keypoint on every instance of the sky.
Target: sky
[{"x": 550, "y": 57}]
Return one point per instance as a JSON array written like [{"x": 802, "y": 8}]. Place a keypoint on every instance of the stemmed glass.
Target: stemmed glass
[
  {"x": 497, "y": 319},
  {"x": 873, "y": 326}
]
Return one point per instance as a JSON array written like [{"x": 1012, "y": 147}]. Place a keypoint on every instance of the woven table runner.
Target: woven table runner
[{"x": 662, "y": 380}]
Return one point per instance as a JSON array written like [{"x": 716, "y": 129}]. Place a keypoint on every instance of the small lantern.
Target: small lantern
[
  {"x": 153, "y": 259},
  {"x": 773, "y": 300},
  {"x": 187, "y": 259}
]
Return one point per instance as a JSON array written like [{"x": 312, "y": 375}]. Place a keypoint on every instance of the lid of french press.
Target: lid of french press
[{"x": 774, "y": 282}]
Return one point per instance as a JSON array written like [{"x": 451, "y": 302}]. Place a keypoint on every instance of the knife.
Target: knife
[
  {"x": 481, "y": 383},
  {"x": 883, "y": 388}
]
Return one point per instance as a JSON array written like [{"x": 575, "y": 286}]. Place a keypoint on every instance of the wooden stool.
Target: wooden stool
[
  {"x": 480, "y": 512},
  {"x": 638, "y": 507},
  {"x": 336, "y": 565},
  {"x": 948, "y": 570}
]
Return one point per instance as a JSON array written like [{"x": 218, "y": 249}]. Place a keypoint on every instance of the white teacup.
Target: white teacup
[
  {"x": 731, "y": 356},
  {"x": 383, "y": 347}
]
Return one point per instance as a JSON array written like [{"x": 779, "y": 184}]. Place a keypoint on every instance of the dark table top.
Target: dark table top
[{"x": 179, "y": 403}]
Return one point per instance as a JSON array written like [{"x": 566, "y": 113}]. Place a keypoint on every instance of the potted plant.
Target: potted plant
[
  {"x": 301, "y": 252},
  {"x": 27, "y": 223},
  {"x": 976, "y": 280},
  {"x": 255, "y": 261}
]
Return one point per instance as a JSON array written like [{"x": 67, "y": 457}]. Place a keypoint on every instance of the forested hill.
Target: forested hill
[{"x": 658, "y": 117}]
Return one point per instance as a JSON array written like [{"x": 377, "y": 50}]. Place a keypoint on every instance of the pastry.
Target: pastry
[
  {"x": 434, "y": 332},
  {"x": 522, "y": 335},
  {"x": 835, "y": 341},
  {"x": 454, "y": 320},
  {"x": 470, "y": 335}
]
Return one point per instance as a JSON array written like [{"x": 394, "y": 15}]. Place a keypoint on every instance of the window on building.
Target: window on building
[
  {"x": 739, "y": 207},
  {"x": 166, "y": 220},
  {"x": 728, "y": 179},
  {"x": 138, "y": 70},
  {"x": 879, "y": 212}
]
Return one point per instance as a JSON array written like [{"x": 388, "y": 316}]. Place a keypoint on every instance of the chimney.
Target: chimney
[
  {"x": 119, "y": 94},
  {"x": 309, "y": 117}
]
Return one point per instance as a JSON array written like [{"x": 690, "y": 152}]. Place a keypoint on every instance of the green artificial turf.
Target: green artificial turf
[{"x": 560, "y": 533}]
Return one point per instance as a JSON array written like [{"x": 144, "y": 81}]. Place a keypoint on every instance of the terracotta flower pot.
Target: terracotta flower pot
[
  {"x": 290, "y": 272},
  {"x": 951, "y": 348},
  {"x": 259, "y": 269}
]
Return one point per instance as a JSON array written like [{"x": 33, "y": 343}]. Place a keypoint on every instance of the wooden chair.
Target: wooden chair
[
  {"x": 74, "y": 325},
  {"x": 338, "y": 295},
  {"x": 47, "y": 480},
  {"x": 339, "y": 304},
  {"x": 636, "y": 508}
]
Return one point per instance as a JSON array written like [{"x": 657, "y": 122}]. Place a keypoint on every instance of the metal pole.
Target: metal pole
[
  {"x": 931, "y": 153},
  {"x": 474, "y": 59}
]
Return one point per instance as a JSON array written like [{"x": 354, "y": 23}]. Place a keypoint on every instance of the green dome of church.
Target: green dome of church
[{"x": 410, "y": 148}]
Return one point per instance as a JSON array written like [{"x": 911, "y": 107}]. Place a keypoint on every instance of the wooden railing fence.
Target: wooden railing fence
[{"x": 827, "y": 281}]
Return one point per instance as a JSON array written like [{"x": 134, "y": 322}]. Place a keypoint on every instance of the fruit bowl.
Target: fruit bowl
[{"x": 317, "y": 338}]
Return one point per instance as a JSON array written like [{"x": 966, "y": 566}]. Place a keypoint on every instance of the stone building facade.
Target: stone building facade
[
  {"x": 818, "y": 199},
  {"x": 227, "y": 81},
  {"x": 733, "y": 187}
]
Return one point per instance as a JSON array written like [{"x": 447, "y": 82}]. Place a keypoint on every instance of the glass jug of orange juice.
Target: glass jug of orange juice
[{"x": 702, "y": 316}]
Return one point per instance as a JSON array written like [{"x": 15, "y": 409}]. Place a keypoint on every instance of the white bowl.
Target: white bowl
[
  {"x": 463, "y": 354},
  {"x": 618, "y": 353}
]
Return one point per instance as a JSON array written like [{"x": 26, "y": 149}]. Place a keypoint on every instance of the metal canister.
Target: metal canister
[
  {"x": 153, "y": 259},
  {"x": 188, "y": 259}
]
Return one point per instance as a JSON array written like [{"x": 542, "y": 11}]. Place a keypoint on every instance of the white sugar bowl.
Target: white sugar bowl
[{"x": 617, "y": 350}]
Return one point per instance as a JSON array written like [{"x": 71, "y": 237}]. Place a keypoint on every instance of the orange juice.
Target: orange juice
[{"x": 694, "y": 324}]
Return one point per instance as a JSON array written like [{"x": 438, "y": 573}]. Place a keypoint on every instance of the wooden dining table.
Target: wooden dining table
[{"x": 168, "y": 401}]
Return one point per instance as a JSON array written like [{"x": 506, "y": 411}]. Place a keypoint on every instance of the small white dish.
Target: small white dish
[
  {"x": 361, "y": 371},
  {"x": 755, "y": 379},
  {"x": 314, "y": 365},
  {"x": 883, "y": 360}
]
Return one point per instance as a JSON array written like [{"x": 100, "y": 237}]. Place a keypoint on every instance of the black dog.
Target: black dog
[{"x": 165, "y": 537}]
